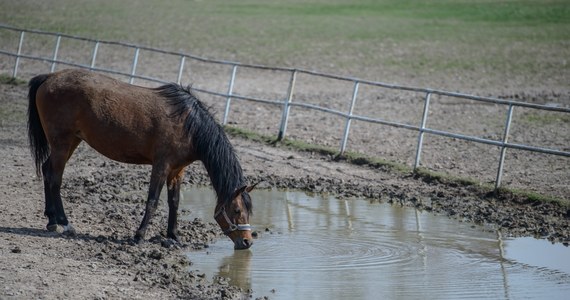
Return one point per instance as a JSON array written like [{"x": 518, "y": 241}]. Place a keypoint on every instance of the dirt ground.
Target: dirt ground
[{"x": 105, "y": 200}]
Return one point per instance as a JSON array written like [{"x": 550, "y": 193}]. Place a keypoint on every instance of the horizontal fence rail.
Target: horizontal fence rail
[{"x": 287, "y": 102}]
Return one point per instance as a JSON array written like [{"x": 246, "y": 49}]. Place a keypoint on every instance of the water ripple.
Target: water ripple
[{"x": 330, "y": 253}]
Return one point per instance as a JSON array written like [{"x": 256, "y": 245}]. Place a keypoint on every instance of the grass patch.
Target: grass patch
[
  {"x": 306, "y": 147},
  {"x": 248, "y": 135},
  {"x": 6, "y": 79},
  {"x": 374, "y": 162},
  {"x": 431, "y": 176},
  {"x": 486, "y": 188},
  {"x": 534, "y": 197}
]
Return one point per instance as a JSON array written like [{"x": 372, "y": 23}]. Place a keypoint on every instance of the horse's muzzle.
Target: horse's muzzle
[{"x": 242, "y": 244}]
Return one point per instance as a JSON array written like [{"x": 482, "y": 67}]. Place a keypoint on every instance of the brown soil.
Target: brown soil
[{"x": 104, "y": 200}]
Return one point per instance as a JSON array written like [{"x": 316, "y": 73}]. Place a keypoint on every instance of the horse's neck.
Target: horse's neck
[{"x": 224, "y": 170}]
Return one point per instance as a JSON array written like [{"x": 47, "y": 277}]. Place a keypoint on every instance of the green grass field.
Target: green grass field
[{"x": 410, "y": 42}]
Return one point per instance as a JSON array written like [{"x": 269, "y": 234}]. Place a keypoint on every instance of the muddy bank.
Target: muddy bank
[{"x": 105, "y": 201}]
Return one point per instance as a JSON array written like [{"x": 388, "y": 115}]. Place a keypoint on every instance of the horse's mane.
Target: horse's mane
[{"x": 209, "y": 141}]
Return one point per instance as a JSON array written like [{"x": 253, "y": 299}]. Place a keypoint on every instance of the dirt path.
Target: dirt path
[{"x": 105, "y": 200}]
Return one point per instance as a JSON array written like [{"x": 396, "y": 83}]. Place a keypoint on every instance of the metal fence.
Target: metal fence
[{"x": 287, "y": 104}]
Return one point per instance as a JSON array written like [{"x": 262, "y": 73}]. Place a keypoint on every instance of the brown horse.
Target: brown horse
[{"x": 166, "y": 127}]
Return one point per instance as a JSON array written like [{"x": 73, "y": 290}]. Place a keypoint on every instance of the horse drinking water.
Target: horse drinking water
[{"x": 166, "y": 127}]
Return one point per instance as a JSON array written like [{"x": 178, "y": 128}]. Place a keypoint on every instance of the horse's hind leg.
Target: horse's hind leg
[
  {"x": 52, "y": 170},
  {"x": 49, "y": 211}
]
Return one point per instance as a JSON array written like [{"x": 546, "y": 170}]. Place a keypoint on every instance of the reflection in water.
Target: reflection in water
[
  {"x": 237, "y": 267},
  {"x": 327, "y": 248}
]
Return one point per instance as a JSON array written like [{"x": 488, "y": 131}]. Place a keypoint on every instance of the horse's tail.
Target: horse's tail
[{"x": 38, "y": 141}]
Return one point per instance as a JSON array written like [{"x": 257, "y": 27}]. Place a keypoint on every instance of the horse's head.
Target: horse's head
[{"x": 233, "y": 218}]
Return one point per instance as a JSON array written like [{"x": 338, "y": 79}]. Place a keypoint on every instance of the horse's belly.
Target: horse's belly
[{"x": 122, "y": 149}]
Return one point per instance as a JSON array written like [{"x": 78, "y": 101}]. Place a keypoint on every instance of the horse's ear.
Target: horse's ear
[
  {"x": 239, "y": 191},
  {"x": 245, "y": 188},
  {"x": 250, "y": 188}
]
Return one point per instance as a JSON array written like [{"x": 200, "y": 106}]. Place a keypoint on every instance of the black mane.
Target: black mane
[{"x": 209, "y": 141}]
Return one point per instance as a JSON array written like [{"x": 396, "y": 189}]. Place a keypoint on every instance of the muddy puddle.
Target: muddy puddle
[{"x": 314, "y": 246}]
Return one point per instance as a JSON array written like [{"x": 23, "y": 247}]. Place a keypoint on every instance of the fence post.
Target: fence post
[
  {"x": 504, "y": 148},
  {"x": 287, "y": 107},
  {"x": 229, "y": 99},
  {"x": 422, "y": 127},
  {"x": 349, "y": 119},
  {"x": 94, "y": 55},
  {"x": 180, "y": 69},
  {"x": 57, "y": 41},
  {"x": 15, "y": 72},
  {"x": 134, "y": 67}
]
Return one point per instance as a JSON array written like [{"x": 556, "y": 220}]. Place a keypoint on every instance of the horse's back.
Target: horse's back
[
  {"x": 119, "y": 120},
  {"x": 97, "y": 98},
  {"x": 89, "y": 86}
]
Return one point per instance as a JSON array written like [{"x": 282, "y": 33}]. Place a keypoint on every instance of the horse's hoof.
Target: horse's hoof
[
  {"x": 137, "y": 239},
  {"x": 170, "y": 243},
  {"x": 69, "y": 230},
  {"x": 173, "y": 237},
  {"x": 51, "y": 227}
]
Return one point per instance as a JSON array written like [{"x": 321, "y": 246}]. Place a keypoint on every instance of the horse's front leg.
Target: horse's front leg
[
  {"x": 157, "y": 180},
  {"x": 173, "y": 201}
]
